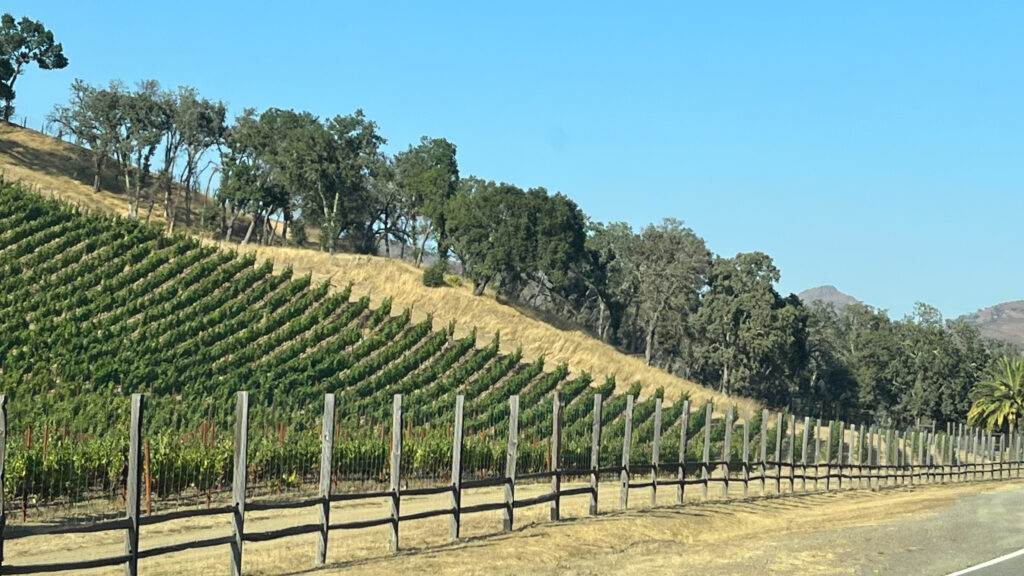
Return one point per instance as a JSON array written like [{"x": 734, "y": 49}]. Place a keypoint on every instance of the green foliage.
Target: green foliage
[
  {"x": 433, "y": 276},
  {"x": 22, "y": 43},
  {"x": 999, "y": 399},
  {"x": 93, "y": 309}
]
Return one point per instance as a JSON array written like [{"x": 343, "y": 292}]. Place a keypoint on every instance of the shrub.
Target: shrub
[{"x": 434, "y": 276}]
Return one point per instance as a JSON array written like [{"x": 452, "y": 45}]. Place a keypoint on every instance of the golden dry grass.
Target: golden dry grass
[
  {"x": 62, "y": 170},
  {"x": 714, "y": 537}
]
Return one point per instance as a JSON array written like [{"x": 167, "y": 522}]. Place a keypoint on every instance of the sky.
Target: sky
[{"x": 874, "y": 146}]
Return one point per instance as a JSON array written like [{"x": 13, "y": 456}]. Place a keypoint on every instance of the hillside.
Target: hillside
[
  {"x": 61, "y": 170},
  {"x": 827, "y": 295},
  {"x": 1002, "y": 322}
]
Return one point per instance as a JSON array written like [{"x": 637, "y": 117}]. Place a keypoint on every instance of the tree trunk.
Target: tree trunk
[
  {"x": 230, "y": 226},
  {"x": 423, "y": 246},
  {"x": 168, "y": 192},
  {"x": 725, "y": 380},
  {"x": 248, "y": 233},
  {"x": 8, "y": 109},
  {"x": 223, "y": 219},
  {"x": 478, "y": 289},
  {"x": 132, "y": 214},
  {"x": 649, "y": 345},
  {"x": 188, "y": 195},
  {"x": 99, "y": 173}
]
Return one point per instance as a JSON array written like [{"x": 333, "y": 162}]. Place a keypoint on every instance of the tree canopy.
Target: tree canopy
[
  {"x": 658, "y": 292},
  {"x": 24, "y": 42}
]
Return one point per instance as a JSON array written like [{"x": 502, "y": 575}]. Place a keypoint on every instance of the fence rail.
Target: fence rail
[{"x": 857, "y": 456}]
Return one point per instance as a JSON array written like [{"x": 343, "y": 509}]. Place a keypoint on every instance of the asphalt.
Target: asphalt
[{"x": 976, "y": 529}]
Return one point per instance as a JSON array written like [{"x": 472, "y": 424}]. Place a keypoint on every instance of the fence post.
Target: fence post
[
  {"x": 910, "y": 456},
  {"x": 627, "y": 443},
  {"x": 922, "y": 457},
  {"x": 239, "y": 478},
  {"x": 683, "y": 425},
  {"x": 856, "y": 444},
  {"x": 326, "y": 467},
  {"x": 746, "y": 453},
  {"x": 133, "y": 485},
  {"x": 828, "y": 457},
  {"x": 455, "y": 521},
  {"x": 595, "y": 454},
  {"x": 1017, "y": 457},
  {"x": 3, "y": 472},
  {"x": 792, "y": 454},
  {"x": 880, "y": 456},
  {"x": 890, "y": 456},
  {"x": 941, "y": 458},
  {"x": 149, "y": 485},
  {"x": 990, "y": 454},
  {"x": 863, "y": 454},
  {"x": 556, "y": 453},
  {"x": 778, "y": 455},
  {"x": 803, "y": 454},
  {"x": 727, "y": 451},
  {"x": 764, "y": 448},
  {"x": 817, "y": 451},
  {"x": 655, "y": 452},
  {"x": 705, "y": 471},
  {"x": 1002, "y": 454},
  {"x": 883, "y": 449},
  {"x": 872, "y": 453},
  {"x": 396, "y": 470},
  {"x": 511, "y": 455},
  {"x": 897, "y": 458},
  {"x": 968, "y": 451},
  {"x": 955, "y": 461},
  {"x": 876, "y": 436},
  {"x": 950, "y": 442}
]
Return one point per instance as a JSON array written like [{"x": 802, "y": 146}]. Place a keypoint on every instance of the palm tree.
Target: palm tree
[{"x": 1001, "y": 398}]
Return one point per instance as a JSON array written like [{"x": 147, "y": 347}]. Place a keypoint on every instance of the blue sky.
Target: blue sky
[{"x": 873, "y": 146}]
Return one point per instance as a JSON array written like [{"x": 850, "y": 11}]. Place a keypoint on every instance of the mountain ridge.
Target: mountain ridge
[{"x": 827, "y": 294}]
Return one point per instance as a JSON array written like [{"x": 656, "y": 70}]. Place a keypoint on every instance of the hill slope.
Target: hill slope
[
  {"x": 58, "y": 169},
  {"x": 1002, "y": 322}
]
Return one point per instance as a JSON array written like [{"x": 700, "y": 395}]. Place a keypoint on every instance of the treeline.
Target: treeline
[{"x": 291, "y": 178}]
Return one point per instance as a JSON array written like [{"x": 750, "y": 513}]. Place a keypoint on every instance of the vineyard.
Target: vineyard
[{"x": 94, "y": 308}]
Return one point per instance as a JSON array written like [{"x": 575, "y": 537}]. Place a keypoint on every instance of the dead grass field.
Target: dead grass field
[
  {"x": 62, "y": 170},
  {"x": 698, "y": 536}
]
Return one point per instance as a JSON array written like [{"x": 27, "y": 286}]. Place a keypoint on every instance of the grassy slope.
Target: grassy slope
[{"x": 62, "y": 170}]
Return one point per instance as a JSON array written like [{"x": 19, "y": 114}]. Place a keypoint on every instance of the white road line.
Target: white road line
[{"x": 992, "y": 562}]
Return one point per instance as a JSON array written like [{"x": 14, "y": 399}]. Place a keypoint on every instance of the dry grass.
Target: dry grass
[
  {"x": 62, "y": 170},
  {"x": 715, "y": 537}
]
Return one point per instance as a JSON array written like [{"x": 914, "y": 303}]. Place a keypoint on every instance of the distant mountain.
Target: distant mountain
[
  {"x": 827, "y": 295},
  {"x": 1003, "y": 321}
]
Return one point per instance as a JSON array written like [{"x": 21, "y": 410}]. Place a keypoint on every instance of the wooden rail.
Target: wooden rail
[{"x": 854, "y": 457}]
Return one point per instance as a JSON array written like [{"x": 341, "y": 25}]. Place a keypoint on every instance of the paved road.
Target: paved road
[
  {"x": 977, "y": 528},
  {"x": 1007, "y": 565}
]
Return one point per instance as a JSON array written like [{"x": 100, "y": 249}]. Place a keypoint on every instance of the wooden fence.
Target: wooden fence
[{"x": 865, "y": 457}]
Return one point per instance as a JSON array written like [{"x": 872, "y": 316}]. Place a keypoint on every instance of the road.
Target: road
[{"x": 975, "y": 529}]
